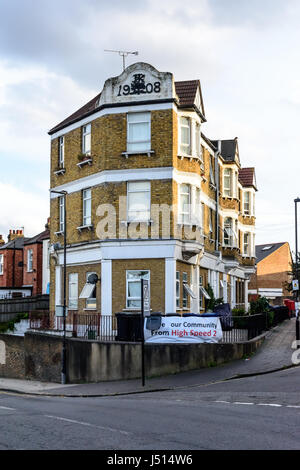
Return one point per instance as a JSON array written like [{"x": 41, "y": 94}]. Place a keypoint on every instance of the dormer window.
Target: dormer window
[
  {"x": 138, "y": 132},
  {"x": 86, "y": 139}
]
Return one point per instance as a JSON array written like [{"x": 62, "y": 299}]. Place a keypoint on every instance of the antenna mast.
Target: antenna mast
[{"x": 123, "y": 54}]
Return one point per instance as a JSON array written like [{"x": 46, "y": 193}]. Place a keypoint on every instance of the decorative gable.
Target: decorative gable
[{"x": 138, "y": 82}]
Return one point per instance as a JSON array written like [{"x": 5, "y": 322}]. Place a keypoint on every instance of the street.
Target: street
[{"x": 260, "y": 412}]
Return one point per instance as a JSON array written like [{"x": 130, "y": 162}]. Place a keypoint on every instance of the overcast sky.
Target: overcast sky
[{"x": 246, "y": 54}]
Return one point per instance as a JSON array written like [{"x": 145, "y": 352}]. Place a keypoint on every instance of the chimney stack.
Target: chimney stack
[
  {"x": 2, "y": 242},
  {"x": 13, "y": 234}
]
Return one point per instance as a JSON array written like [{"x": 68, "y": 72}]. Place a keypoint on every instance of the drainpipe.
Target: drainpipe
[{"x": 217, "y": 153}]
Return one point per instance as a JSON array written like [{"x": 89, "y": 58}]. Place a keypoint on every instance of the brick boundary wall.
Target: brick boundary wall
[{"x": 37, "y": 356}]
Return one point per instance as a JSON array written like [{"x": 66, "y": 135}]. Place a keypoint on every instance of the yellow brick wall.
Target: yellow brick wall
[{"x": 157, "y": 282}]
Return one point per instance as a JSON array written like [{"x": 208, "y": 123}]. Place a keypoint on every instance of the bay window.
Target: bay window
[
  {"x": 138, "y": 201},
  {"x": 185, "y": 135},
  {"x": 198, "y": 141},
  {"x": 246, "y": 244},
  {"x": 247, "y": 203},
  {"x": 230, "y": 229},
  {"x": 184, "y": 294},
  {"x": 227, "y": 187},
  {"x": 184, "y": 207},
  {"x": 133, "y": 287},
  {"x": 139, "y": 132}
]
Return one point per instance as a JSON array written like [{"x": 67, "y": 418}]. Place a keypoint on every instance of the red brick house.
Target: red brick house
[
  {"x": 21, "y": 263},
  {"x": 11, "y": 260},
  {"x": 33, "y": 262},
  {"x": 273, "y": 262}
]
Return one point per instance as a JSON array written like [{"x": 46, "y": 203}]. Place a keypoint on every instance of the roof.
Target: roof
[
  {"x": 16, "y": 244},
  {"x": 228, "y": 149},
  {"x": 86, "y": 110},
  {"x": 262, "y": 251},
  {"x": 247, "y": 177},
  {"x": 45, "y": 235},
  {"x": 185, "y": 90}
]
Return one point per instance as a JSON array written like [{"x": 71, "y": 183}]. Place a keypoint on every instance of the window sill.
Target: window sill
[
  {"x": 139, "y": 152},
  {"x": 85, "y": 227},
  {"x": 87, "y": 161},
  {"x": 61, "y": 171},
  {"x": 127, "y": 222},
  {"x": 191, "y": 158},
  {"x": 58, "y": 234},
  {"x": 212, "y": 186},
  {"x": 90, "y": 309}
]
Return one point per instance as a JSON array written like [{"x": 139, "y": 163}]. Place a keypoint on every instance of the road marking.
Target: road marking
[
  {"x": 82, "y": 423},
  {"x": 7, "y": 408},
  {"x": 242, "y": 403},
  {"x": 222, "y": 401},
  {"x": 292, "y": 406},
  {"x": 269, "y": 404}
]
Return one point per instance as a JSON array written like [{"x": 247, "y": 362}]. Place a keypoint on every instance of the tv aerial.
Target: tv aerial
[{"x": 122, "y": 54}]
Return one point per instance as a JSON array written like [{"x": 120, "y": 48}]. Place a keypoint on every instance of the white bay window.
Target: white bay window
[
  {"x": 185, "y": 135},
  {"x": 86, "y": 139},
  {"x": 73, "y": 291},
  {"x": 87, "y": 206}
]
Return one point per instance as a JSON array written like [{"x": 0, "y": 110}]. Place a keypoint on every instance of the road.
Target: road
[{"x": 261, "y": 412}]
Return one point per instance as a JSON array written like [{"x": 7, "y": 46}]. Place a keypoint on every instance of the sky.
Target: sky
[{"x": 245, "y": 53}]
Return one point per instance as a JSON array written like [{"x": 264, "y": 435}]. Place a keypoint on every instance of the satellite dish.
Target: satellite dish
[{"x": 93, "y": 278}]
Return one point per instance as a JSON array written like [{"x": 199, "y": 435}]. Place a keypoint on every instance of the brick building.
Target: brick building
[
  {"x": 273, "y": 273},
  {"x": 22, "y": 263},
  {"x": 149, "y": 195}
]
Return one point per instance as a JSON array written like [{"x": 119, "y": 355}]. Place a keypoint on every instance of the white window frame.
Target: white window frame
[
  {"x": 86, "y": 131},
  {"x": 145, "y": 118},
  {"x": 184, "y": 214},
  {"x": 61, "y": 203},
  {"x": 184, "y": 292},
  {"x": 247, "y": 203},
  {"x": 231, "y": 232},
  {"x": 211, "y": 170},
  {"x": 146, "y": 275},
  {"x": 73, "y": 301},
  {"x": 185, "y": 148},
  {"x": 1, "y": 263},
  {"x": 61, "y": 152},
  {"x": 210, "y": 223},
  {"x": 246, "y": 243},
  {"x": 29, "y": 260},
  {"x": 201, "y": 303},
  {"x": 227, "y": 178},
  {"x": 198, "y": 146},
  {"x": 177, "y": 289},
  {"x": 86, "y": 217},
  {"x": 132, "y": 187}
]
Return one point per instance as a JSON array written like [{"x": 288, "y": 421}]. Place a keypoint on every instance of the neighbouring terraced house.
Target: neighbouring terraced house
[{"x": 149, "y": 195}]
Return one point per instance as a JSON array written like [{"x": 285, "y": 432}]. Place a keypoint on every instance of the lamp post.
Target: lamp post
[
  {"x": 297, "y": 277},
  {"x": 63, "y": 356}
]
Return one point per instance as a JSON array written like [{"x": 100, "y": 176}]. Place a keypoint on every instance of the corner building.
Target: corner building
[{"x": 149, "y": 195}]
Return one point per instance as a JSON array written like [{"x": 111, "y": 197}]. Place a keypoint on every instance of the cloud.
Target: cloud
[{"x": 22, "y": 209}]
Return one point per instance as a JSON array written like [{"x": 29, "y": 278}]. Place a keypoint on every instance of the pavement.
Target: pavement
[{"x": 274, "y": 354}]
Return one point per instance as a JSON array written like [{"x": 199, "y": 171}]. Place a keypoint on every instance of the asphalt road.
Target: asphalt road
[{"x": 261, "y": 412}]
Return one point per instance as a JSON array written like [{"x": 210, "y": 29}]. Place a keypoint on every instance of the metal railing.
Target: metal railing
[
  {"x": 88, "y": 326},
  {"x": 104, "y": 327}
]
